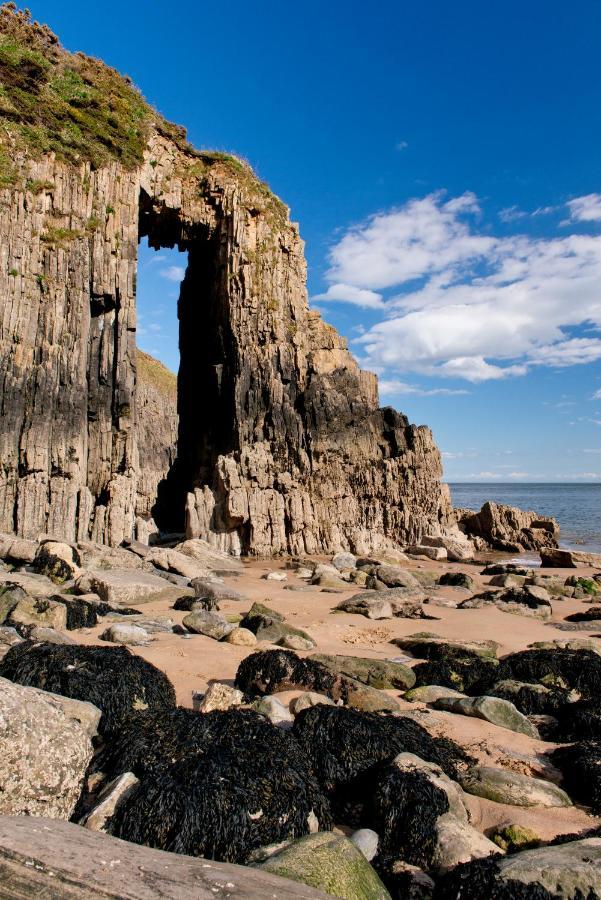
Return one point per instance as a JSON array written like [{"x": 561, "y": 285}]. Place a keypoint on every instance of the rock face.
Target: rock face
[
  {"x": 156, "y": 407},
  {"x": 281, "y": 444},
  {"x": 508, "y": 528}
]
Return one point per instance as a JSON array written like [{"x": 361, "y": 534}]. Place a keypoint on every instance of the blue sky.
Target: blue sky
[{"x": 443, "y": 161}]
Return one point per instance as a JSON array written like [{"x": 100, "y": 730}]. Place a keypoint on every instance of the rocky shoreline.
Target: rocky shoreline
[{"x": 420, "y": 724}]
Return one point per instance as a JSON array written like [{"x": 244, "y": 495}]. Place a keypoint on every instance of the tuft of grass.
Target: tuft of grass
[
  {"x": 35, "y": 186},
  {"x": 59, "y": 236},
  {"x": 153, "y": 372},
  {"x": 13, "y": 272}
]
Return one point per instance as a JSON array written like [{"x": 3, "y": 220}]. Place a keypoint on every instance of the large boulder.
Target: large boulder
[
  {"x": 17, "y": 550},
  {"x": 45, "y": 749},
  {"x": 209, "y": 557},
  {"x": 330, "y": 862},
  {"x": 211, "y": 624},
  {"x": 126, "y": 586},
  {"x": 504, "y": 786},
  {"x": 529, "y": 600},
  {"x": 458, "y": 547},
  {"x": 508, "y": 528},
  {"x": 42, "y": 858},
  {"x": 269, "y": 625},
  {"x": 491, "y": 709},
  {"x": 428, "y": 645},
  {"x": 59, "y": 561},
  {"x": 568, "y": 559},
  {"x": 378, "y": 673}
]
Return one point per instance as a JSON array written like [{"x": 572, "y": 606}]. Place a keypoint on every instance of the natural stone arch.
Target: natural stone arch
[{"x": 289, "y": 451}]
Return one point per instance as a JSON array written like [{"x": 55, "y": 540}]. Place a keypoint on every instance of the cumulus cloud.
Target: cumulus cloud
[
  {"x": 348, "y": 293},
  {"x": 585, "y": 209},
  {"x": 401, "y": 145},
  {"x": 173, "y": 273},
  {"x": 458, "y": 302}
]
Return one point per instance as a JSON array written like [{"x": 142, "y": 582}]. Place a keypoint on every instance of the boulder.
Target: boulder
[
  {"x": 274, "y": 710},
  {"x": 220, "y": 696},
  {"x": 529, "y": 600},
  {"x": 372, "y": 607},
  {"x": 241, "y": 637},
  {"x": 307, "y": 700},
  {"x": 330, "y": 862},
  {"x": 458, "y": 547},
  {"x": 177, "y": 563},
  {"x": 130, "y": 635},
  {"x": 38, "y": 611},
  {"x": 207, "y": 588},
  {"x": 458, "y": 842},
  {"x": 434, "y": 553},
  {"x": 587, "y": 585},
  {"x": 276, "y": 575},
  {"x": 509, "y": 579},
  {"x": 33, "y": 584},
  {"x": 344, "y": 561},
  {"x": 568, "y": 559},
  {"x": 43, "y": 858},
  {"x": 428, "y": 645},
  {"x": 458, "y": 580},
  {"x": 17, "y": 550},
  {"x": 209, "y": 557},
  {"x": 508, "y": 528},
  {"x": 512, "y": 837},
  {"x": 208, "y": 623},
  {"x": 430, "y": 693},
  {"x": 58, "y": 561},
  {"x": 125, "y": 587},
  {"x": 410, "y": 762},
  {"x": 395, "y": 577},
  {"x": 269, "y": 625},
  {"x": 8, "y": 638},
  {"x": 571, "y": 870},
  {"x": 296, "y": 642},
  {"x": 46, "y": 635},
  {"x": 45, "y": 749},
  {"x": 378, "y": 673},
  {"x": 504, "y": 786},
  {"x": 491, "y": 709}
]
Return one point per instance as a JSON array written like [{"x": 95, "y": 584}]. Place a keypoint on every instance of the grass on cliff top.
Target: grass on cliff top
[
  {"x": 81, "y": 109},
  {"x": 153, "y": 372}
]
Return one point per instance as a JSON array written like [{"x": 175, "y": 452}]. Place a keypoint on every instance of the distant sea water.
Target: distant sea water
[{"x": 577, "y": 507}]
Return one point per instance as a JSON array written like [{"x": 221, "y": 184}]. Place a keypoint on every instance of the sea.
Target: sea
[{"x": 577, "y": 507}]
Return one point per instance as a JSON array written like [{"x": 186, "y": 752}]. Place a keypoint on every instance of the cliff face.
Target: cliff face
[
  {"x": 281, "y": 446},
  {"x": 156, "y": 428}
]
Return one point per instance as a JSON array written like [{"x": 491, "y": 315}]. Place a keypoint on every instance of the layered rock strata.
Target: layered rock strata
[{"x": 282, "y": 446}]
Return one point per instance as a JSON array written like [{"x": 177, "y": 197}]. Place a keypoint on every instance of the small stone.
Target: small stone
[
  {"x": 430, "y": 693},
  {"x": 458, "y": 580},
  {"x": 241, "y": 637},
  {"x": 308, "y": 699},
  {"x": 366, "y": 841},
  {"x": 511, "y": 838},
  {"x": 131, "y": 635},
  {"x": 108, "y": 801},
  {"x": 220, "y": 696},
  {"x": 296, "y": 642},
  {"x": 344, "y": 561},
  {"x": 214, "y": 590},
  {"x": 491, "y": 709},
  {"x": 276, "y": 576},
  {"x": 434, "y": 553},
  {"x": 275, "y": 711}
]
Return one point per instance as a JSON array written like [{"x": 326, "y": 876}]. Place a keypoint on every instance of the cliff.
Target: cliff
[
  {"x": 282, "y": 446},
  {"x": 156, "y": 428}
]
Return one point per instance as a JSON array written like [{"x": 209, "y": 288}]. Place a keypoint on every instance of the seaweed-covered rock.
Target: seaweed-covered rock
[
  {"x": 529, "y": 600},
  {"x": 580, "y": 766},
  {"x": 491, "y": 709},
  {"x": 458, "y": 580},
  {"x": 579, "y": 721},
  {"x": 220, "y": 784},
  {"x": 592, "y": 614},
  {"x": 587, "y": 585},
  {"x": 378, "y": 673},
  {"x": 270, "y": 671},
  {"x": 58, "y": 560},
  {"x": 38, "y": 611},
  {"x": 345, "y": 744},
  {"x": 111, "y": 678},
  {"x": 427, "y": 645},
  {"x": 504, "y": 786},
  {"x": 578, "y": 670},
  {"x": 330, "y": 862},
  {"x": 464, "y": 673},
  {"x": 530, "y": 699},
  {"x": 513, "y": 837}
]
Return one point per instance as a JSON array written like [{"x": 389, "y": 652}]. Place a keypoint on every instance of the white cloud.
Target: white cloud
[
  {"x": 173, "y": 273},
  {"x": 467, "y": 304},
  {"x": 511, "y": 213},
  {"x": 592, "y": 450},
  {"x": 395, "y": 388},
  {"x": 597, "y": 395},
  {"x": 347, "y": 293},
  {"x": 401, "y": 145},
  {"x": 585, "y": 209}
]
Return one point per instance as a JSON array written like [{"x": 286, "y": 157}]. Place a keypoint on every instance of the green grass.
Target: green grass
[
  {"x": 153, "y": 372},
  {"x": 83, "y": 111},
  {"x": 59, "y": 236}
]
